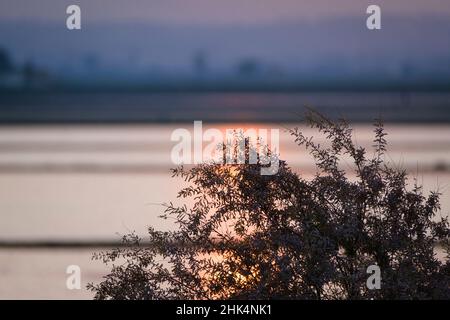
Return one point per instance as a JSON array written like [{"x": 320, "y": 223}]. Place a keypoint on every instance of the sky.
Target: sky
[
  {"x": 213, "y": 11},
  {"x": 292, "y": 35}
]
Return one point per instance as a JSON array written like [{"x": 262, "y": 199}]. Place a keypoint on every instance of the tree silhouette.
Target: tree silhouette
[
  {"x": 6, "y": 64},
  {"x": 249, "y": 236}
]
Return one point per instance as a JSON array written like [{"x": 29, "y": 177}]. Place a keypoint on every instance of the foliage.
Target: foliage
[{"x": 249, "y": 236}]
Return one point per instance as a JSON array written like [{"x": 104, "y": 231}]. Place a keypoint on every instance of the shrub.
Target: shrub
[{"x": 249, "y": 236}]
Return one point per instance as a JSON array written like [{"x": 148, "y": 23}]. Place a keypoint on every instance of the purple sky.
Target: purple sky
[{"x": 214, "y": 11}]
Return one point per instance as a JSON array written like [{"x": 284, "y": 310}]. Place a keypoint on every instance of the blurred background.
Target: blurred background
[{"x": 86, "y": 115}]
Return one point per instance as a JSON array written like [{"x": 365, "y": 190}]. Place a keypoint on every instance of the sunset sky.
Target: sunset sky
[
  {"x": 318, "y": 36},
  {"x": 214, "y": 11}
]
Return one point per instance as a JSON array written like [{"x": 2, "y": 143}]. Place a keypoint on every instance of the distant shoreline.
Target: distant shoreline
[
  {"x": 204, "y": 87},
  {"x": 147, "y": 107},
  {"x": 72, "y": 244},
  {"x": 49, "y": 244}
]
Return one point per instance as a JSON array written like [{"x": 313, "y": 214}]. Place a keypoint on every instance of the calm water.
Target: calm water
[{"x": 99, "y": 182}]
